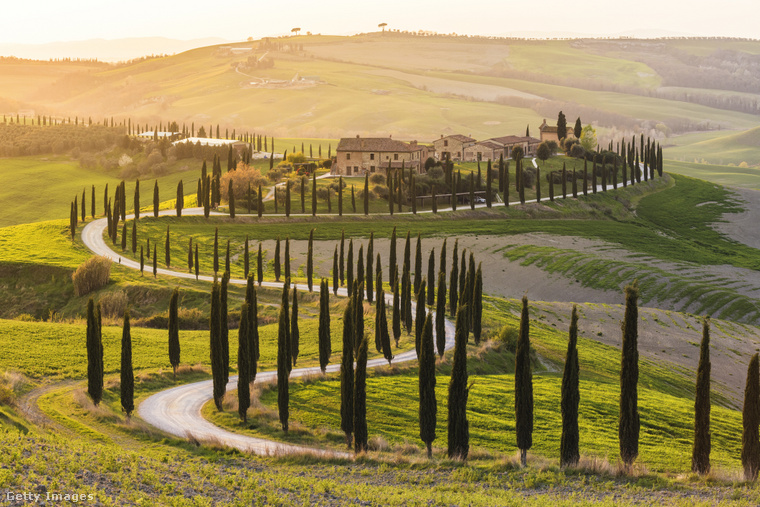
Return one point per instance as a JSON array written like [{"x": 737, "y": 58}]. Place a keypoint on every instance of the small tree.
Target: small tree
[
  {"x": 428, "y": 404},
  {"x": 578, "y": 128},
  {"x": 700, "y": 457},
  {"x": 524, "y": 387},
  {"x": 127, "y": 385},
  {"x": 561, "y": 126},
  {"x": 174, "y": 350},
  {"x": 543, "y": 152},
  {"x": 569, "y": 452}
]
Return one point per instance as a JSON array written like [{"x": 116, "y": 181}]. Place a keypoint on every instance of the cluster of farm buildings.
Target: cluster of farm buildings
[{"x": 362, "y": 155}]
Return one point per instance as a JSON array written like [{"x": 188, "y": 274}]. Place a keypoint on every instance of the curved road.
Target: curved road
[{"x": 177, "y": 410}]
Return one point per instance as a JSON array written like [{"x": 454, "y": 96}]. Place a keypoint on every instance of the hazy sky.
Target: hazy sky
[{"x": 58, "y": 20}]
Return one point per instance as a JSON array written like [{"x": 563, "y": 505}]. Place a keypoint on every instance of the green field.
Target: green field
[{"x": 729, "y": 148}]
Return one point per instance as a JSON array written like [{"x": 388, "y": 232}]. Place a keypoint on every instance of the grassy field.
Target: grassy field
[
  {"x": 729, "y": 148},
  {"x": 731, "y": 176}
]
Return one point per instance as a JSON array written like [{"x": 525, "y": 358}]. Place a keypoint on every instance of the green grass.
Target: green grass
[
  {"x": 729, "y": 148},
  {"x": 731, "y": 176}
]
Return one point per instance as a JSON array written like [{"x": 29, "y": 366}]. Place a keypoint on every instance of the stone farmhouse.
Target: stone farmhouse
[
  {"x": 452, "y": 146},
  {"x": 357, "y": 156},
  {"x": 500, "y": 146},
  {"x": 549, "y": 133}
]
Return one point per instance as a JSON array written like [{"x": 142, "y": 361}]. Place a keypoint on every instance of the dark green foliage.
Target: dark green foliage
[
  {"x": 392, "y": 262},
  {"x": 407, "y": 256},
  {"x": 440, "y": 315},
  {"x": 458, "y": 426},
  {"x": 216, "y": 250},
  {"x": 561, "y": 126},
  {"x": 227, "y": 259},
  {"x": 453, "y": 294},
  {"x": 124, "y": 236},
  {"x": 253, "y": 329},
  {"x": 94, "y": 353},
  {"x": 277, "y": 266},
  {"x": 92, "y": 200},
  {"x": 628, "y": 429},
  {"x": 419, "y": 318},
  {"x": 310, "y": 262},
  {"x": 477, "y": 306},
  {"x": 335, "y": 271},
  {"x": 127, "y": 385},
  {"x": 174, "y": 350},
  {"x": 443, "y": 257},
  {"x": 155, "y": 262},
  {"x": 370, "y": 275},
  {"x": 428, "y": 404},
  {"x": 197, "y": 264},
  {"x": 325, "y": 347},
  {"x": 142, "y": 260},
  {"x": 167, "y": 248},
  {"x": 360, "y": 275},
  {"x": 340, "y": 195},
  {"x": 360, "y": 399},
  {"x": 431, "y": 278},
  {"x": 524, "y": 386},
  {"x": 700, "y": 457},
  {"x": 356, "y": 294},
  {"x": 406, "y": 301},
  {"x": 295, "y": 334},
  {"x": 385, "y": 339},
  {"x": 217, "y": 357},
  {"x": 341, "y": 258},
  {"x": 350, "y": 267},
  {"x": 287, "y": 198},
  {"x": 134, "y": 236},
  {"x": 283, "y": 363},
  {"x": 246, "y": 258},
  {"x": 231, "y": 200},
  {"x": 396, "y": 316},
  {"x": 418, "y": 265},
  {"x": 260, "y": 204},
  {"x": 156, "y": 201},
  {"x": 224, "y": 327},
  {"x": 180, "y": 203},
  {"x": 751, "y": 421},
  {"x": 569, "y": 451},
  {"x": 259, "y": 266},
  {"x": 347, "y": 374},
  {"x": 366, "y": 194},
  {"x": 314, "y": 194},
  {"x": 578, "y": 129},
  {"x": 489, "y": 184},
  {"x": 137, "y": 200},
  {"x": 286, "y": 259},
  {"x": 190, "y": 255}
]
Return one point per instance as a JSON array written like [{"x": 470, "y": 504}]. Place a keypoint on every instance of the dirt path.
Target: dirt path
[{"x": 31, "y": 411}]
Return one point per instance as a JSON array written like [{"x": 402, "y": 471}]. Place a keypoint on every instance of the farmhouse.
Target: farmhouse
[
  {"x": 483, "y": 150},
  {"x": 452, "y": 146},
  {"x": 360, "y": 155},
  {"x": 549, "y": 133},
  {"x": 528, "y": 144}
]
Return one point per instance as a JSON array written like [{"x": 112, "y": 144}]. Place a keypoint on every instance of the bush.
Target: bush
[
  {"x": 377, "y": 179},
  {"x": 327, "y": 164},
  {"x": 430, "y": 162},
  {"x": 577, "y": 151},
  {"x": 543, "y": 152},
  {"x": 381, "y": 191},
  {"x": 114, "y": 304},
  {"x": 92, "y": 275},
  {"x": 508, "y": 335},
  {"x": 241, "y": 177}
]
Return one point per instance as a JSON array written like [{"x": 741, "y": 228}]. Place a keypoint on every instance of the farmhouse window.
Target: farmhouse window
[
  {"x": 372, "y": 156},
  {"x": 445, "y": 143},
  {"x": 348, "y": 156},
  {"x": 371, "y": 168},
  {"x": 395, "y": 156}
]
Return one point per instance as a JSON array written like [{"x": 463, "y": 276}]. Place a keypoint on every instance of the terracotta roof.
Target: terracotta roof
[
  {"x": 548, "y": 128},
  {"x": 488, "y": 144},
  {"x": 376, "y": 144},
  {"x": 459, "y": 137},
  {"x": 507, "y": 140}
]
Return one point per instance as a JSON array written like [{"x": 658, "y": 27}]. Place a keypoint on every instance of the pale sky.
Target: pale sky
[{"x": 44, "y": 21}]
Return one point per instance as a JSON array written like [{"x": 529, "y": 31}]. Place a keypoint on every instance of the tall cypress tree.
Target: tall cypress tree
[
  {"x": 314, "y": 194},
  {"x": 458, "y": 426},
  {"x": 392, "y": 262},
  {"x": 190, "y": 255},
  {"x": 396, "y": 314},
  {"x": 167, "y": 249},
  {"x": 155, "y": 261},
  {"x": 569, "y": 452},
  {"x": 347, "y": 374},
  {"x": 295, "y": 334},
  {"x": 259, "y": 266},
  {"x": 477, "y": 305},
  {"x": 335, "y": 271},
  {"x": 751, "y": 421},
  {"x": 277, "y": 260},
  {"x": 341, "y": 258},
  {"x": 418, "y": 265},
  {"x": 407, "y": 256},
  {"x": 453, "y": 293},
  {"x": 385, "y": 339},
  {"x": 217, "y": 363},
  {"x": 246, "y": 258},
  {"x": 174, "y": 351},
  {"x": 142, "y": 260},
  {"x": 137, "y": 200},
  {"x": 350, "y": 267},
  {"x": 428, "y": 404},
  {"x": 360, "y": 399},
  {"x": 124, "y": 236},
  {"x": 225, "y": 331},
  {"x": 230, "y": 199},
  {"x": 325, "y": 347},
  {"x": 244, "y": 357},
  {"x": 216, "y": 250},
  {"x": 253, "y": 329},
  {"x": 628, "y": 429},
  {"x": 440, "y": 314},
  {"x": 700, "y": 457},
  {"x": 310, "y": 262},
  {"x": 180, "y": 203},
  {"x": 197, "y": 264},
  {"x": 406, "y": 301},
  {"x": 134, "y": 236},
  {"x": 92, "y": 201},
  {"x": 431, "y": 278},
  {"x": 524, "y": 387},
  {"x": 127, "y": 376},
  {"x": 156, "y": 202},
  {"x": 94, "y": 353},
  {"x": 366, "y": 194},
  {"x": 419, "y": 319},
  {"x": 369, "y": 276},
  {"x": 283, "y": 363},
  {"x": 358, "y": 315}
]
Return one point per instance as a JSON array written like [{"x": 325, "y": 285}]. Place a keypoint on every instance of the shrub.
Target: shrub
[
  {"x": 577, "y": 151},
  {"x": 92, "y": 275},
  {"x": 114, "y": 304},
  {"x": 381, "y": 191},
  {"x": 327, "y": 164},
  {"x": 241, "y": 177},
  {"x": 508, "y": 336},
  {"x": 377, "y": 179},
  {"x": 543, "y": 152},
  {"x": 430, "y": 162}
]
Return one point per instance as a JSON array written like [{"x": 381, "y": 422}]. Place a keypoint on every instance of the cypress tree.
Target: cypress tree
[
  {"x": 181, "y": 201},
  {"x": 428, "y": 404},
  {"x": 216, "y": 250},
  {"x": 585, "y": 178},
  {"x": 283, "y": 362},
  {"x": 392, "y": 262},
  {"x": 489, "y": 184},
  {"x": 463, "y": 299},
  {"x": 134, "y": 236},
  {"x": 347, "y": 374},
  {"x": 225, "y": 331},
  {"x": 84, "y": 205},
  {"x": 142, "y": 260},
  {"x": 477, "y": 305},
  {"x": 418, "y": 265},
  {"x": 94, "y": 353},
  {"x": 198, "y": 196},
  {"x": 524, "y": 387},
  {"x": 325, "y": 347},
  {"x": 564, "y": 180},
  {"x": 253, "y": 329},
  {"x": 155, "y": 261},
  {"x": 358, "y": 315},
  {"x": 197, "y": 264},
  {"x": 277, "y": 260},
  {"x": 472, "y": 190},
  {"x": 350, "y": 267},
  {"x": 314, "y": 194},
  {"x": 406, "y": 301},
  {"x": 440, "y": 314},
  {"x": 751, "y": 421},
  {"x": 341, "y": 258},
  {"x": 335, "y": 271},
  {"x": 190, "y": 255},
  {"x": 127, "y": 385},
  {"x": 244, "y": 357},
  {"x": 506, "y": 185},
  {"x": 443, "y": 257},
  {"x": 310, "y": 262},
  {"x": 419, "y": 318},
  {"x": 369, "y": 276},
  {"x": 92, "y": 201},
  {"x": 458, "y": 426},
  {"x": 105, "y": 200},
  {"x": 366, "y": 194},
  {"x": 340, "y": 196},
  {"x": 215, "y": 331},
  {"x": 230, "y": 199},
  {"x": 246, "y": 259},
  {"x": 396, "y": 317},
  {"x": 407, "y": 256},
  {"x": 431, "y": 278},
  {"x": 124, "y": 236},
  {"x": 385, "y": 339},
  {"x": 167, "y": 247},
  {"x": 286, "y": 259},
  {"x": 551, "y": 186},
  {"x": 454, "y": 179},
  {"x": 700, "y": 457},
  {"x": 569, "y": 452},
  {"x": 628, "y": 430},
  {"x": 174, "y": 350},
  {"x": 453, "y": 294},
  {"x": 137, "y": 200},
  {"x": 360, "y": 399},
  {"x": 538, "y": 184},
  {"x": 259, "y": 266},
  {"x": 295, "y": 335},
  {"x": 353, "y": 198}
]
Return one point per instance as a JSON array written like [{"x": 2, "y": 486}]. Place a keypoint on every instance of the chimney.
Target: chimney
[{"x": 357, "y": 136}]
